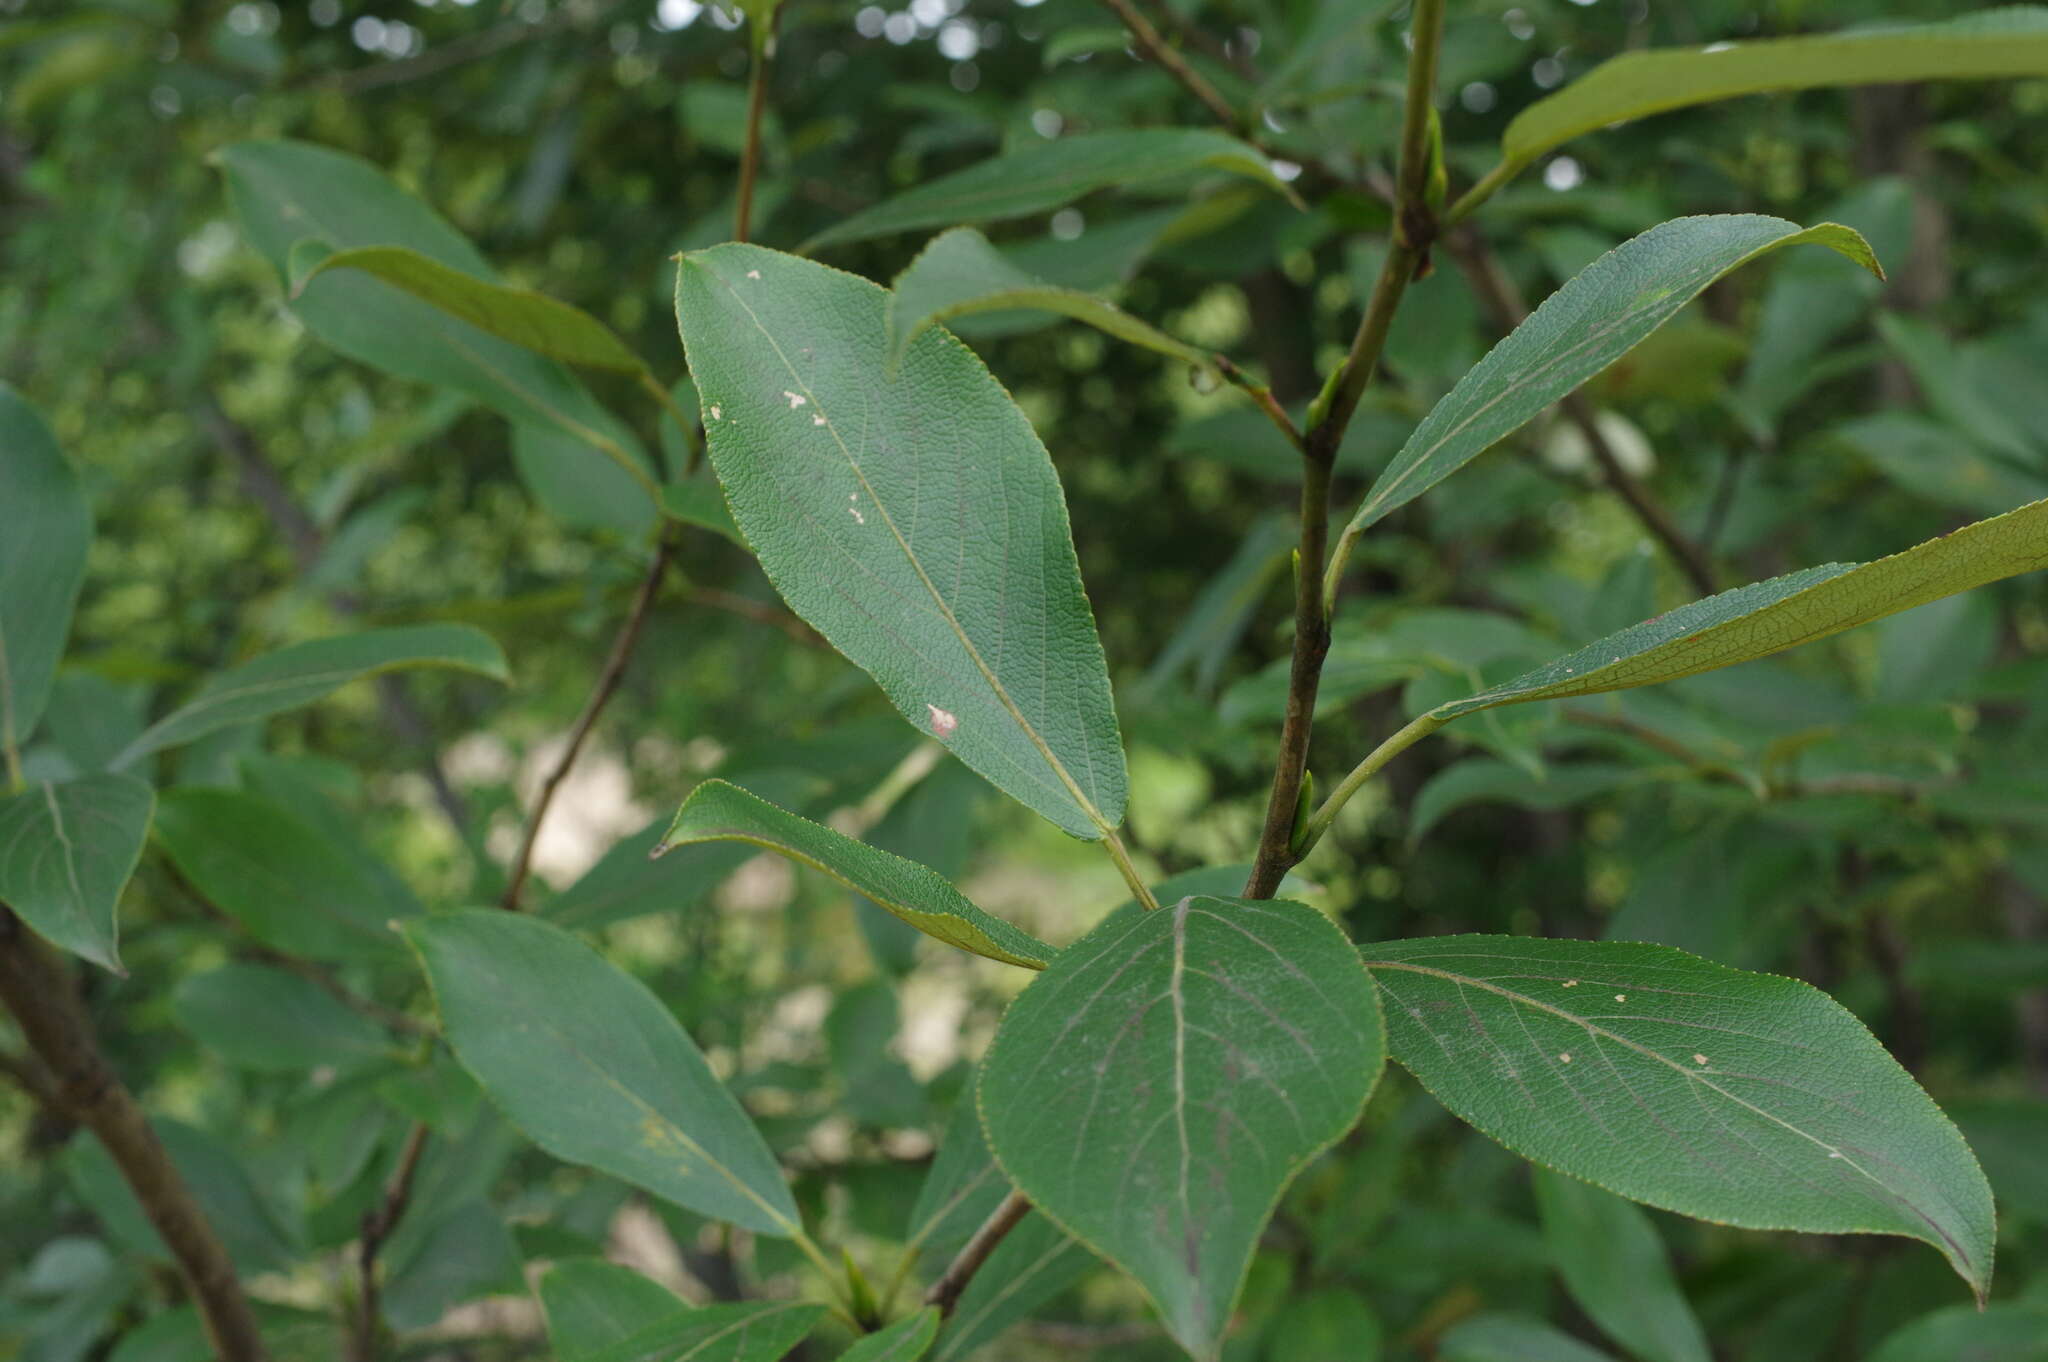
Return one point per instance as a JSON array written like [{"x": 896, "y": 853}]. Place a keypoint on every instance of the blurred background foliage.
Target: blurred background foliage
[{"x": 1869, "y": 814}]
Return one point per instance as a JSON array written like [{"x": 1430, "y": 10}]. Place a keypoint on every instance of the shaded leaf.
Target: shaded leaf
[
  {"x": 717, "y": 811},
  {"x": 45, "y": 527},
  {"x": 67, "y": 849},
  {"x": 1617, "y": 1270},
  {"x": 1034, "y": 1263},
  {"x": 700, "y": 504},
  {"x": 1156, "y": 1088},
  {"x": 1747, "y": 1099},
  {"x": 906, "y": 1340},
  {"x": 1500, "y": 1337},
  {"x": 464, "y": 1252},
  {"x": 592, "y": 1304},
  {"x": 220, "y": 1183},
  {"x": 259, "y": 1017},
  {"x": 934, "y": 553},
  {"x": 585, "y": 1060},
  {"x": 2016, "y": 1332},
  {"x": 758, "y": 1331}
]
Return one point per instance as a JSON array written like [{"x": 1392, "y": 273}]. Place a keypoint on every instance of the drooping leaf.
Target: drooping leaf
[
  {"x": 1158, "y": 1086},
  {"x": 275, "y": 875},
  {"x": 301, "y": 673},
  {"x": 719, "y": 812},
  {"x": 906, "y": 1340},
  {"x": 757, "y": 1331},
  {"x": 260, "y": 1017},
  {"x": 1495, "y": 1337},
  {"x": 533, "y": 321},
  {"x": 959, "y": 273},
  {"x": 1767, "y": 617},
  {"x": 585, "y": 1060},
  {"x": 1748, "y": 1099},
  {"x": 67, "y": 849},
  {"x": 45, "y": 527},
  {"x": 592, "y": 1304},
  {"x": 1595, "y": 319},
  {"x": 1998, "y": 42},
  {"x": 1617, "y": 1270},
  {"x": 916, "y": 523},
  {"x": 1038, "y": 178}
]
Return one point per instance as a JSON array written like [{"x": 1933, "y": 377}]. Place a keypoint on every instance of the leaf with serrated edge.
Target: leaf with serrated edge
[
  {"x": 1596, "y": 318},
  {"x": 1992, "y": 43},
  {"x": 304, "y": 672},
  {"x": 718, "y": 812},
  {"x": 916, "y": 523},
  {"x": 959, "y": 273},
  {"x": 1156, "y": 1089},
  {"x": 906, "y": 1340},
  {"x": 1762, "y": 618},
  {"x": 45, "y": 528},
  {"x": 1745, "y": 1099},
  {"x": 588, "y": 1062},
  {"x": 67, "y": 849}
]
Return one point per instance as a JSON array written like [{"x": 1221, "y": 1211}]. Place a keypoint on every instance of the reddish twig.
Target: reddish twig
[{"x": 945, "y": 1292}]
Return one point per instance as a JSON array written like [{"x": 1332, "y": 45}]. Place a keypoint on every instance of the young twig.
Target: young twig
[
  {"x": 607, "y": 683},
  {"x": 1148, "y": 40},
  {"x": 378, "y": 1223},
  {"x": 946, "y": 1291},
  {"x": 750, "y": 152},
  {"x": 37, "y": 988}
]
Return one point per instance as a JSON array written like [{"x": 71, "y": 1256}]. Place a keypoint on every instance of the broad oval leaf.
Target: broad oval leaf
[
  {"x": 1156, "y": 1089},
  {"x": 260, "y": 1017},
  {"x": 1037, "y": 178},
  {"x": 45, "y": 527},
  {"x": 1998, "y": 42},
  {"x": 288, "y": 885},
  {"x": 1767, "y": 617},
  {"x": 67, "y": 849},
  {"x": 756, "y": 1331},
  {"x": 1618, "y": 1270},
  {"x": 906, "y": 1340},
  {"x": 592, "y": 1304},
  {"x": 916, "y": 523},
  {"x": 585, "y": 1060},
  {"x": 719, "y": 812},
  {"x": 301, "y": 673},
  {"x": 533, "y": 321},
  {"x": 1596, "y": 318},
  {"x": 959, "y": 273},
  {"x": 1747, "y": 1099}
]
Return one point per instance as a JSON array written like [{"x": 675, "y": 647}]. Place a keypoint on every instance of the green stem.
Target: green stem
[
  {"x": 750, "y": 153},
  {"x": 1480, "y": 192},
  {"x": 1140, "y": 891},
  {"x": 1319, "y": 822},
  {"x": 691, "y": 435}
]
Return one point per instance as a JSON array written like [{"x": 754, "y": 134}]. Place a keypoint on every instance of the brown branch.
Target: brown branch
[
  {"x": 945, "y": 1292},
  {"x": 377, "y": 1226},
  {"x": 717, "y": 598},
  {"x": 607, "y": 684},
  {"x": 471, "y": 47},
  {"x": 1227, "y": 53},
  {"x": 37, "y": 988},
  {"x": 757, "y": 102},
  {"x": 1193, "y": 81}
]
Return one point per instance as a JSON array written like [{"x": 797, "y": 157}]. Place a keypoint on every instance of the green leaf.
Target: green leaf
[
  {"x": 963, "y": 1187},
  {"x": 258, "y": 1017},
  {"x": 219, "y": 1182},
  {"x": 1747, "y": 1099},
  {"x": 1768, "y": 617},
  {"x": 592, "y": 1304},
  {"x": 916, "y": 523},
  {"x": 1218, "y": 616},
  {"x": 758, "y": 1331},
  {"x": 700, "y": 504},
  {"x": 1617, "y": 1270},
  {"x": 906, "y": 1340},
  {"x": 1034, "y": 1263},
  {"x": 585, "y": 1060},
  {"x": 286, "y": 193},
  {"x": 1993, "y": 43},
  {"x": 304, "y": 672},
  {"x": 959, "y": 273},
  {"x": 1595, "y": 319},
  {"x": 1504, "y": 1337},
  {"x": 1156, "y": 1089},
  {"x": 718, "y": 812},
  {"x": 533, "y": 321},
  {"x": 67, "y": 849},
  {"x": 45, "y": 527},
  {"x": 1040, "y": 177},
  {"x": 456, "y": 1256},
  {"x": 2016, "y": 1332},
  {"x": 290, "y": 887}
]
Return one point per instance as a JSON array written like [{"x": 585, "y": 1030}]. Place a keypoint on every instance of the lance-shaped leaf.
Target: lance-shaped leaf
[
  {"x": 44, "y": 530},
  {"x": 1748, "y": 1099},
  {"x": 959, "y": 273},
  {"x": 756, "y": 1331},
  {"x": 533, "y": 321},
  {"x": 592, "y": 1304},
  {"x": 906, "y": 1340},
  {"x": 1040, "y": 177},
  {"x": 67, "y": 849},
  {"x": 1599, "y": 316},
  {"x": 591, "y": 1065},
  {"x": 304, "y": 672},
  {"x": 1617, "y": 1269},
  {"x": 1767, "y": 617},
  {"x": 260, "y": 1017},
  {"x": 915, "y": 522},
  {"x": 719, "y": 812},
  {"x": 1157, "y": 1088},
  {"x": 1992, "y": 43}
]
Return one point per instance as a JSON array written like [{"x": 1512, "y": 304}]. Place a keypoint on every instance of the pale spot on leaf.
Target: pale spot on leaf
[
  {"x": 1699, "y": 1059},
  {"x": 818, "y": 420},
  {"x": 795, "y": 399},
  {"x": 943, "y": 723},
  {"x": 753, "y": 274},
  {"x": 1621, "y": 997},
  {"x": 1571, "y": 983},
  {"x": 1565, "y": 1055},
  {"x": 716, "y": 411}
]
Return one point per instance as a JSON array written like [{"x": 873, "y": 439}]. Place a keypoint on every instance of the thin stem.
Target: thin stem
[
  {"x": 600, "y": 695},
  {"x": 946, "y": 1291},
  {"x": 1140, "y": 891},
  {"x": 37, "y": 988},
  {"x": 1479, "y": 193},
  {"x": 1263, "y": 397},
  {"x": 1147, "y": 37},
  {"x": 1329, "y": 416},
  {"x": 750, "y": 153},
  {"x": 1319, "y": 822},
  {"x": 377, "y": 1227},
  {"x": 693, "y": 436}
]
